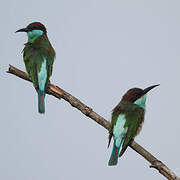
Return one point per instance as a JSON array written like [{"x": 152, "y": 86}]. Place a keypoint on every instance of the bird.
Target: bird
[
  {"x": 126, "y": 121},
  {"x": 38, "y": 55}
]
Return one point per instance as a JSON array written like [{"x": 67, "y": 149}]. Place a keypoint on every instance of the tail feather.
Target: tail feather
[
  {"x": 41, "y": 103},
  {"x": 114, "y": 156}
]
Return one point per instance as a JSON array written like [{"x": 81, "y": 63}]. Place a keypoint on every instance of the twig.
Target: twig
[{"x": 60, "y": 93}]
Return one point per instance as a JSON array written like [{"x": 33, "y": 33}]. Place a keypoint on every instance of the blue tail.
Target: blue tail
[
  {"x": 114, "y": 155},
  {"x": 41, "y": 104}
]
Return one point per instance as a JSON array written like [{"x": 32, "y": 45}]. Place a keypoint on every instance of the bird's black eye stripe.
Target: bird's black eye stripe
[{"x": 31, "y": 29}]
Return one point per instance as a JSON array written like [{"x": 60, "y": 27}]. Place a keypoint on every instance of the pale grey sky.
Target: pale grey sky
[{"x": 103, "y": 48}]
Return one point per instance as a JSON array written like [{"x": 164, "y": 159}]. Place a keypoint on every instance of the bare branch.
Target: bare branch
[{"x": 60, "y": 93}]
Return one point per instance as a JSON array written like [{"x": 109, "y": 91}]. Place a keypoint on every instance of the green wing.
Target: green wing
[{"x": 135, "y": 118}]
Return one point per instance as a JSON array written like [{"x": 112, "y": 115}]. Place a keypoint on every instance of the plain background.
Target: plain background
[{"x": 103, "y": 48}]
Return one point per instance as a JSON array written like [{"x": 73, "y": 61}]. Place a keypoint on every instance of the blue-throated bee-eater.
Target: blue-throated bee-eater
[
  {"x": 38, "y": 55},
  {"x": 126, "y": 122}
]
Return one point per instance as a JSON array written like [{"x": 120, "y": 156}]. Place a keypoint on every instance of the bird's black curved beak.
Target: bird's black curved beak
[
  {"x": 149, "y": 88},
  {"x": 22, "y": 30}
]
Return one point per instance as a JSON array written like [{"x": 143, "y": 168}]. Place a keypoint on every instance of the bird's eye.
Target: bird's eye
[{"x": 29, "y": 29}]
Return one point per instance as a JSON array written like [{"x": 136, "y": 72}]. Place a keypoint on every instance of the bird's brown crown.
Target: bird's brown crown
[
  {"x": 36, "y": 26},
  {"x": 133, "y": 94}
]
